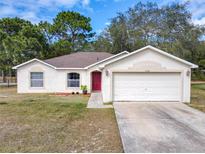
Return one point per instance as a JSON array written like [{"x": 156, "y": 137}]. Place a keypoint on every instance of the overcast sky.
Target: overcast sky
[{"x": 100, "y": 11}]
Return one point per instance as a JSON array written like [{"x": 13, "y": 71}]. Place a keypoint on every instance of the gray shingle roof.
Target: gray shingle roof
[{"x": 78, "y": 59}]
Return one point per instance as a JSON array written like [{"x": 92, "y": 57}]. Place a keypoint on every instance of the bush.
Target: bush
[{"x": 198, "y": 75}]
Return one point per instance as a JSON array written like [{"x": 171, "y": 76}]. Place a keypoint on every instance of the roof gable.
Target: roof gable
[
  {"x": 32, "y": 60},
  {"x": 156, "y": 50}
]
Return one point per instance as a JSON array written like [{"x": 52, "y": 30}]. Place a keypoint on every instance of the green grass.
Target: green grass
[
  {"x": 42, "y": 104},
  {"x": 198, "y": 97},
  {"x": 198, "y": 86},
  {"x": 48, "y": 123}
]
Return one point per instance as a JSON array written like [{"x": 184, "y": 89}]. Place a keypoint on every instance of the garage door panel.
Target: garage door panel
[{"x": 146, "y": 87}]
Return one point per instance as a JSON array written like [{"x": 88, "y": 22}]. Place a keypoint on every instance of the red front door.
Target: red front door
[{"x": 96, "y": 81}]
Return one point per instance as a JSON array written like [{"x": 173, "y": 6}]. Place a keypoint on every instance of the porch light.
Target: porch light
[
  {"x": 101, "y": 67},
  {"x": 188, "y": 73}
]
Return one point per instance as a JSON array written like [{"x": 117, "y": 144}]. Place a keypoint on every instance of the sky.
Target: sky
[{"x": 100, "y": 11}]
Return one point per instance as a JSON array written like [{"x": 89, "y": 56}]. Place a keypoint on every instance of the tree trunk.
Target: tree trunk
[{"x": 3, "y": 76}]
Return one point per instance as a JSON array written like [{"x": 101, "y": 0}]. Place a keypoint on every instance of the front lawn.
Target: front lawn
[
  {"x": 198, "y": 97},
  {"x": 48, "y": 123}
]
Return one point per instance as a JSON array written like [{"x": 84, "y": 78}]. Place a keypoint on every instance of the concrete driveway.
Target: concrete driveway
[{"x": 160, "y": 127}]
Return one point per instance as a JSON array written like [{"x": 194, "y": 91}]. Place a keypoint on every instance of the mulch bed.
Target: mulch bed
[{"x": 68, "y": 94}]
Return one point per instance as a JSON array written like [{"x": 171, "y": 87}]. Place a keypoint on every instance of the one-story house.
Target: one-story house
[{"x": 147, "y": 74}]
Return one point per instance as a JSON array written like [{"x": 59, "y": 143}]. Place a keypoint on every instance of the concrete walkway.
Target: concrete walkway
[
  {"x": 160, "y": 127},
  {"x": 3, "y": 96},
  {"x": 96, "y": 101}
]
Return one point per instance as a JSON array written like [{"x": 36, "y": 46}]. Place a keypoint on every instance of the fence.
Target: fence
[{"x": 7, "y": 79}]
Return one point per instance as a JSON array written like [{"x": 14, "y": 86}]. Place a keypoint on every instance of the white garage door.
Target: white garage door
[{"x": 146, "y": 87}]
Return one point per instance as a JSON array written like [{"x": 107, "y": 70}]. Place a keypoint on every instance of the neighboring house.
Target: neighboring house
[{"x": 147, "y": 74}]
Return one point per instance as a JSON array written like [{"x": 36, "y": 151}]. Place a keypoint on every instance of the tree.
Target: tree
[
  {"x": 168, "y": 27},
  {"x": 73, "y": 27},
  {"x": 12, "y": 26},
  {"x": 119, "y": 33},
  {"x": 19, "y": 41},
  {"x": 103, "y": 42},
  {"x": 60, "y": 48},
  {"x": 46, "y": 30},
  {"x": 143, "y": 22}
]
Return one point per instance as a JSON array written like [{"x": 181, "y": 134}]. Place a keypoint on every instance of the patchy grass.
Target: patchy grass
[
  {"x": 46, "y": 123},
  {"x": 198, "y": 97}
]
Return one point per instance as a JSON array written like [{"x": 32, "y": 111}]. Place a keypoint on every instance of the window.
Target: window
[
  {"x": 36, "y": 79},
  {"x": 73, "y": 80}
]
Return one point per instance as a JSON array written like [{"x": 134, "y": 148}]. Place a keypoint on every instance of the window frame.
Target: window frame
[
  {"x": 31, "y": 86},
  {"x": 68, "y": 80}
]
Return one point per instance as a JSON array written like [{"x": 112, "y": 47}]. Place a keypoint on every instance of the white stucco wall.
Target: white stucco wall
[
  {"x": 146, "y": 61},
  {"x": 54, "y": 80}
]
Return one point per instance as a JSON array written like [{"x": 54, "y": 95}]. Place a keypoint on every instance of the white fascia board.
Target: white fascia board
[
  {"x": 159, "y": 51},
  {"x": 32, "y": 60},
  {"x": 174, "y": 57},
  {"x": 70, "y": 68},
  {"x": 121, "y": 53}
]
